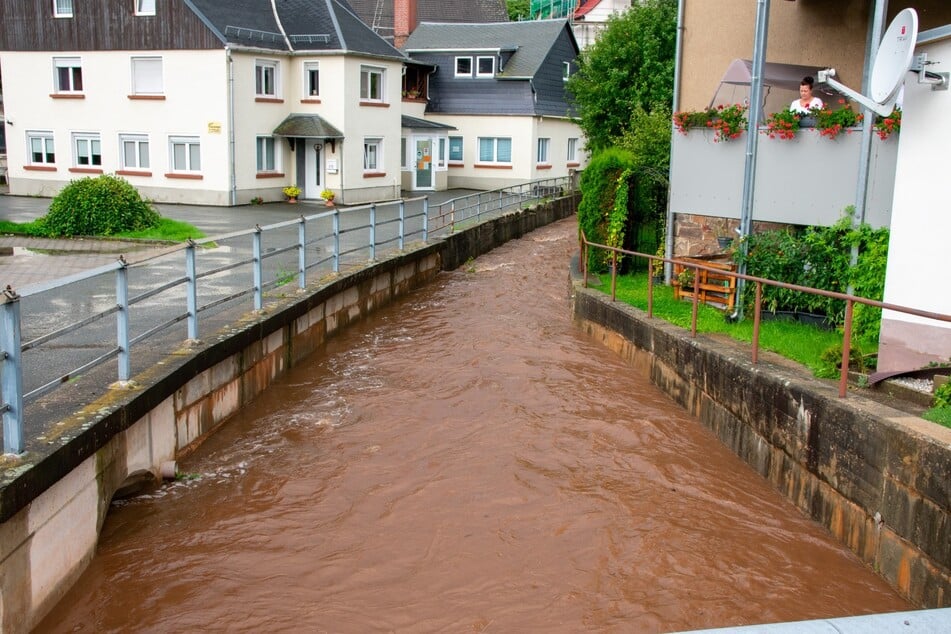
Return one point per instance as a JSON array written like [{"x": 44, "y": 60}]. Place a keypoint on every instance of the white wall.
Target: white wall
[{"x": 919, "y": 260}]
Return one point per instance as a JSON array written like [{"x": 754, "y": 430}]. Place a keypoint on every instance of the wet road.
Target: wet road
[{"x": 465, "y": 461}]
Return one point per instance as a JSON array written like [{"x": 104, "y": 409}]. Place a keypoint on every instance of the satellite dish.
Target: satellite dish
[{"x": 892, "y": 62}]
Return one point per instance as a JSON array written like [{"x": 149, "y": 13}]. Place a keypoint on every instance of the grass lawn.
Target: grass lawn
[
  {"x": 800, "y": 342},
  {"x": 168, "y": 230}
]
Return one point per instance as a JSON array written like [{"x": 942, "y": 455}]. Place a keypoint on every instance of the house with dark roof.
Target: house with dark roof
[
  {"x": 201, "y": 101},
  {"x": 502, "y": 87},
  {"x": 383, "y": 16}
]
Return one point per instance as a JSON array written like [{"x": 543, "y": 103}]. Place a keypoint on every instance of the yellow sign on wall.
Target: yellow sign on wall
[{"x": 214, "y": 127}]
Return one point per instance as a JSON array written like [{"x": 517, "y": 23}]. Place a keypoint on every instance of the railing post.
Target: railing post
[
  {"x": 402, "y": 221},
  {"x": 696, "y": 301},
  {"x": 425, "y": 219},
  {"x": 846, "y": 349},
  {"x": 452, "y": 217},
  {"x": 11, "y": 378},
  {"x": 122, "y": 320},
  {"x": 650, "y": 287},
  {"x": 584, "y": 263},
  {"x": 613, "y": 275},
  {"x": 373, "y": 232},
  {"x": 336, "y": 228},
  {"x": 191, "y": 290},
  {"x": 258, "y": 267},
  {"x": 501, "y": 206},
  {"x": 758, "y": 312},
  {"x": 301, "y": 253}
]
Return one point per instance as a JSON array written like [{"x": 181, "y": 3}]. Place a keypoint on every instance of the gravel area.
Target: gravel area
[{"x": 925, "y": 386}]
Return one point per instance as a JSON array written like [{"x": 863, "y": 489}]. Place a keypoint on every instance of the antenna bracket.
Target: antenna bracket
[{"x": 938, "y": 81}]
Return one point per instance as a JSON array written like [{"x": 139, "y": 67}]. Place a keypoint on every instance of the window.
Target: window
[
  {"x": 134, "y": 150},
  {"x": 543, "y": 145},
  {"x": 185, "y": 154},
  {"x": 41, "y": 148},
  {"x": 267, "y": 157},
  {"x": 485, "y": 67},
  {"x": 68, "y": 74},
  {"x": 372, "y": 155},
  {"x": 495, "y": 150},
  {"x": 62, "y": 8},
  {"x": 455, "y": 149},
  {"x": 566, "y": 71},
  {"x": 147, "y": 76},
  {"x": 144, "y": 7},
  {"x": 572, "y": 150},
  {"x": 463, "y": 67},
  {"x": 87, "y": 150},
  {"x": 265, "y": 78},
  {"x": 312, "y": 79},
  {"x": 441, "y": 157},
  {"x": 371, "y": 83}
]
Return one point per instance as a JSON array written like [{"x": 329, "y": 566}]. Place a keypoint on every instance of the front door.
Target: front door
[
  {"x": 310, "y": 168},
  {"x": 424, "y": 164}
]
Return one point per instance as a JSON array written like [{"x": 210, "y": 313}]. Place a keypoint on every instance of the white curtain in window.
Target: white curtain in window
[{"x": 147, "y": 76}]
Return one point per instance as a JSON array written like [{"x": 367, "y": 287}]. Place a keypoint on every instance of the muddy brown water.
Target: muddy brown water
[{"x": 465, "y": 461}]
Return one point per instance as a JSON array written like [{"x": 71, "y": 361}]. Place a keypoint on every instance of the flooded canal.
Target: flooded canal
[{"x": 465, "y": 461}]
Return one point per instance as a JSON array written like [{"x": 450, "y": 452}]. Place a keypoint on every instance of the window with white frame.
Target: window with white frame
[
  {"x": 455, "y": 149},
  {"x": 441, "y": 156},
  {"x": 87, "y": 149},
  {"x": 267, "y": 154},
  {"x": 543, "y": 145},
  {"x": 62, "y": 8},
  {"x": 147, "y": 76},
  {"x": 485, "y": 66},
  {"x": 68, "y": 74},
  {"x": 495, "y": 150},
  {"x": 184, "y": 154},
  {"x": 566, "y": 71},
  {"x": 312, "y": 79},
  {"x": 463, "y": 67},
  {"x": 134, "y": 151},
  {"x": 372, "y": 154},
  {"x": 41, "y": 147},
  {"x": 144, "y": 7},
  {"x": 371, "y": 83},
  {"x": 266, "y": 78},
  {"x": 572, "y": 150}
]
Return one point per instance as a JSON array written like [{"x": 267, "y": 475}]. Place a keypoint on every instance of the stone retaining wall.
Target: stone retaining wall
[
  {"x": 53, "y": 504},
  {"x": 877, "y": 478}
]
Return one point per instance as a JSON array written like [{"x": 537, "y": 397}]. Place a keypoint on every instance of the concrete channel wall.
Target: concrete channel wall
[
  {"x": 877, "y": 479},
  {"x": 54, "y": 508}
]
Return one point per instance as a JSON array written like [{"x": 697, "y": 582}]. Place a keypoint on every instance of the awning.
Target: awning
[
  {"x": 413, "y": 123},
  {"x": 307, "y": 125}
]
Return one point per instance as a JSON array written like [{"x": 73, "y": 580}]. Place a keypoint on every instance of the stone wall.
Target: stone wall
[{"x": 875, "y": 477}]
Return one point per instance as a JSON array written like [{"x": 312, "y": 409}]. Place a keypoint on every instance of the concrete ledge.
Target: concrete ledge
[{"x": 875, "y": 477}]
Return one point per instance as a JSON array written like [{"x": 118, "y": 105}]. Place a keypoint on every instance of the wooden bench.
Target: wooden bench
[{"x": 714, "y": 288}]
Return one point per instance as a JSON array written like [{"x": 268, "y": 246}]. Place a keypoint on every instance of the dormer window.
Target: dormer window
[
  {"x": 485, "y": 66},
  {"x": 144, "y": 7},
  {"x": 62, "y": 8},
  {"x": 463, "y": 67}
]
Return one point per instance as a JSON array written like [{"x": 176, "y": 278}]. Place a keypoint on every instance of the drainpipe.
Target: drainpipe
[
  {"x": 233, "y": 194},
  {"x": 752, "y": 138},
  {"x": 675, "y": 106},
  {"x": 876, "y": 23}
]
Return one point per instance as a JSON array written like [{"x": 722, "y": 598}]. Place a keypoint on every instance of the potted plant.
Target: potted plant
[
  {"x": 886, "y": 126},
  {"x": 727, "y": 122},
  {"x": 292, "y": 192},
  {"x": 657, "y": 266},
  {"x": 783, "y": 124},
  {"x": 830, "y": 123},
  {"x": 328, "y": 197},
  {"x": 721, "y": 227}
]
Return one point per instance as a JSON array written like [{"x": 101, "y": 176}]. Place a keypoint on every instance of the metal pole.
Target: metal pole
[
  {"x": 11, "y": 378},
  {"x": 402, "y": 221},
  {"x": 191, "y": 290},
  {"x": 301, "y": 253},
  {"x": 373, "y": 233},
  {"x": 258, "y": 266},
  {"x": 425, "y": 219},
  {"x": 846, "y": 349},
  {"x": 336, "y": 228},
  {"x": 752, "y": 136},
  {"x": 122, "y": 320}
]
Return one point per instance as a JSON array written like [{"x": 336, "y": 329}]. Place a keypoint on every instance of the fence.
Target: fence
[
  {"x": 696, "y": 267},
  {"x": 151, "y": 296}
]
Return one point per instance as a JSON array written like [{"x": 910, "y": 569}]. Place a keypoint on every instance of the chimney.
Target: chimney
[{"x": 404, "y": 21}]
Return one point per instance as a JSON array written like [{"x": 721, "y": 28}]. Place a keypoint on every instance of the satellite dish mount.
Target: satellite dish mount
[{"x": 896, "y": 52}]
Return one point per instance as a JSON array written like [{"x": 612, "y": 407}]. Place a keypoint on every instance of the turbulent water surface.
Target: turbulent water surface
[{"x": 465, "y": 461}]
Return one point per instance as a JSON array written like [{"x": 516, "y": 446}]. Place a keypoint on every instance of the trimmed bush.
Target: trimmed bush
[{"x": 101, "y": 206}]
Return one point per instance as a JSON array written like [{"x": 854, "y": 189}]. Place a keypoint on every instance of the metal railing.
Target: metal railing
[
  {"x": 214, "y": 274},
  {"x": 850, "y": 300}
]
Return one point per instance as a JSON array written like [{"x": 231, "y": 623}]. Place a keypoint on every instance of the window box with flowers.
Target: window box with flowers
[
  {"x": 782, "y": 125},
  {"x": 830, "y": 123},
  {"x": 727, "y": 122},
  {"x": 887, "y": 126}
]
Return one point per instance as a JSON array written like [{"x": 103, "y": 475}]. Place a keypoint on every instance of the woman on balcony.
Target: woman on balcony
[{"x": 806, "y": 101}]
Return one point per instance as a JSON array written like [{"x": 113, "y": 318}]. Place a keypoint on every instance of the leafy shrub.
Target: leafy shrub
[
  {"x": 942, "y": 396},
  {"x": 101, "y": 206},
  {"x": 599, "y": 185},
  {"x": 830, "y": 361}
]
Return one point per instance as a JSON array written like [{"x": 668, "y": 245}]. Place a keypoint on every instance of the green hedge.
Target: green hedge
[{"x": 101, "y": 206}]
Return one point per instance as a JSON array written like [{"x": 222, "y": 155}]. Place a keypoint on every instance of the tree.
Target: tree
[
  {"x": 518, "y": 9},
  {"x": 630, "y": 67}
]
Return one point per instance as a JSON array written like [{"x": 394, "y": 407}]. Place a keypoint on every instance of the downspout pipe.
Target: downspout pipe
[
  {"x": 233, "y": 193},
  {"x": 674, "y": 107},
  {"x": 752, "y": 139}
]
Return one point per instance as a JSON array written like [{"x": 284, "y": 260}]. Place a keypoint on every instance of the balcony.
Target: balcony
[{"x": 808, "y": 180}]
